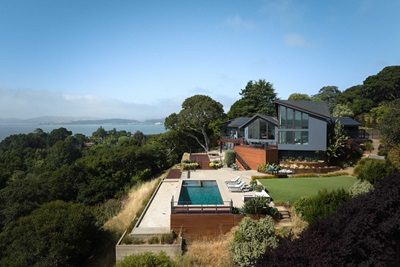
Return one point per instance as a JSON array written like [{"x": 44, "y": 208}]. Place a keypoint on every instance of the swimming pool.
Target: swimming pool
[{"x": 200, "y": 193}]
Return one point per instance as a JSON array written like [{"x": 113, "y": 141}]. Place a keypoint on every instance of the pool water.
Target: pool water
[{"x": 200, "y": 193}]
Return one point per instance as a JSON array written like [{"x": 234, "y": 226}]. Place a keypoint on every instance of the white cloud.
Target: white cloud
[
  {"x": 238, "y": 23},
  {"x": 296, "y": 40}
]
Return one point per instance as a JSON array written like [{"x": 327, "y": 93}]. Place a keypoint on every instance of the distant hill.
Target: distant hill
[{"x": 51, "y": 120}]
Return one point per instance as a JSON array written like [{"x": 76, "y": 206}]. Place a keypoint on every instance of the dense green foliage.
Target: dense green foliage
[
  {"x": 337, "y": 142},
  {"x": 323, "y": 205},
  {"x": 376, "y": 90},
  {"x": 229, "y": 157},
  {"x": 40, "y": 168},
  {"x": 328, "y": 94},
  {"x": 389, "y": 124},
  {"x": 372, "y": 170},
  {"x": 197, "y": 119},
  {"x": 298, "y": 96},
  {"x": 252, "y": 239},
  {"x": 147, "y": 259},
  {"x": 258, "y": 206},
  {"x": 56, "y": 234},
  {"x": 365, "y": 231},
  {"x": 257, "y": 97}
]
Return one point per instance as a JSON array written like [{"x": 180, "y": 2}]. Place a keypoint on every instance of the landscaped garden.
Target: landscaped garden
[{"x": 290, "y": 189}]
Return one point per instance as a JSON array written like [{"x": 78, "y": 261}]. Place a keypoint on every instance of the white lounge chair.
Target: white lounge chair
[
  {"x": 243, "y": 188},
  {"x": 236, "y": 185},
  {"x": 237, "y": 180}
]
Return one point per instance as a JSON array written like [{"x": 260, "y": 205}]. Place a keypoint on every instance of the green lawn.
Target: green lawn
[{"x": 290, "y": 189}]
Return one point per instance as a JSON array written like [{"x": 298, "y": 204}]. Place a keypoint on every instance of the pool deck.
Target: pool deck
[{"x": 157, "y": 218}]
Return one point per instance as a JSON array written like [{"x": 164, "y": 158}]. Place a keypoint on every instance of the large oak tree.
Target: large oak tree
[
  {"x": 257, "y": 97},
  {"x": 198, "y": 114}
]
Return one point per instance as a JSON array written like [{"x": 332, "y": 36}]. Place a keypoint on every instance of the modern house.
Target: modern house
[{"x": 299, "y": 129}]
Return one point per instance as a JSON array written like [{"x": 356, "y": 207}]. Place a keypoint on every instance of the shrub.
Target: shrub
[
  {"x": 360, "y": 187},
  {"x": 230, "y": 157},
  {"x": 394, "y": 156},
  {"x": 259, "y": 188},
  {"x": 190, "y": 166},
  {"x": 372, "y": 170},
  {"x": 368, "y": 146},
  {"x": 252, "y": 239},
  {"x": 167, "y": 238},
  {"x": 258, "y": 206},
  {"x": 215, "y": 164},
  {"x": 136, "y": 241},
  {"x": 323, "y": 205},
  {"x": 147, "y": 259},
  {"x": 153, "y": 240},
  {"x": 363, "y": 232}
]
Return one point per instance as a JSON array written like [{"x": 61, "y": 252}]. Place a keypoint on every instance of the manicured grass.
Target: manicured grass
[{"x": 290, "y": 189}]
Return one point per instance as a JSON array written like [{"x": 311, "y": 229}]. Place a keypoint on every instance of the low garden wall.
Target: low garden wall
[{"x": 123, "y": 250}]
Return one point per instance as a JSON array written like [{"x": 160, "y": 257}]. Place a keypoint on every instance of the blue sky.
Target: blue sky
[{"x": 142, "y": 59}]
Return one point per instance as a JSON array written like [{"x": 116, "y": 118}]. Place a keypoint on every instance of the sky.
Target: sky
[{"x": 141, "y": 59}]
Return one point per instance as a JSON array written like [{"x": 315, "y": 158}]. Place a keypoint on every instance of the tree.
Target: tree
[
  {"x": 328, "y": 94},
  {"x": 353, "y": 97},
  {"x": 252, "y": 239},
  {"x": 341, "y": 110},
  {"x": 297, "y": 96},
  {"x": 257, "y": 97},
  {"x": 194, "y": 120},
  {"x": 390, "y": 124},
  {"x": 337, "y": 141},
  {"x": 59, "y": 134},
  {"x": 384, "y": 86},
  {"x": 56, "y": 234}
]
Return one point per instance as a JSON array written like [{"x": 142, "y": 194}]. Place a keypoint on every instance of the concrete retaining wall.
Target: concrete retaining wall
[{"x": 121, "y": 250}]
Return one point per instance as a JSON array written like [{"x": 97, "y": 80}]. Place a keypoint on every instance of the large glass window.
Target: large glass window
[
  {"x": 282, "y": 116},
  {"x": 292, "y": 119},
  {"x": 296, "y": 120},
  {"x": 261, "y": 129},
  {"x": 304, "y": 121},
  {"x": 271, "y": 131},
  {"x": 289, "y": 118}
]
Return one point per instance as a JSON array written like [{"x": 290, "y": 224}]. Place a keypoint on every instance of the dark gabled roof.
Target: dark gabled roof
[
  {"x": 315, "y": 108},
  {"x": 235, "y": 123},
  {"x": 346, "y": 121},
  {"x": 265, "y": 117}
]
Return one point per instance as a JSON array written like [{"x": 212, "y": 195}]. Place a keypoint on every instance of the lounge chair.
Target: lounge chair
[
  {"x": 242, "y": 188},
  {"x": 236, "y": 181},
  {"x": 236, "y": 185}
]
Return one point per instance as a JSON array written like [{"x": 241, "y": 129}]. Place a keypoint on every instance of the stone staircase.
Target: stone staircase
[{"x": 285, "y": 214}]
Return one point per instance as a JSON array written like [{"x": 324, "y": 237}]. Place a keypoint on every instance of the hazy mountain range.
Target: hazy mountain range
[{"x": 77, "y": 121}]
